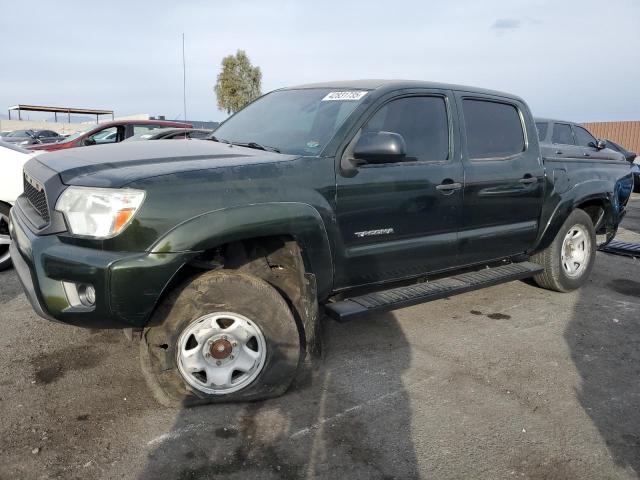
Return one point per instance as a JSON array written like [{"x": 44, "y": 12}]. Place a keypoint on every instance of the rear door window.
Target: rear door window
[
  {"x": 494, "y": 129},
  {"x": 562, "y": 134}
]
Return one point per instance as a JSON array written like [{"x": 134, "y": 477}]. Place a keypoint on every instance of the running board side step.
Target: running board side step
[
  {"x": 622, "y": 248},
  {"x": 350, "y": 308}
]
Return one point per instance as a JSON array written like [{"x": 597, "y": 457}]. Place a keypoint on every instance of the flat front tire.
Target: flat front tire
[
  {"x": 223, "y": 337},
  {"x": 569, "y": 259}
]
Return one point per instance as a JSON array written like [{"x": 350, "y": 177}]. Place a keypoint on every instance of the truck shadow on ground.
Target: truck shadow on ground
[
  {"x": 604, "y": 339},
  {"x": 349, "y": 417}
]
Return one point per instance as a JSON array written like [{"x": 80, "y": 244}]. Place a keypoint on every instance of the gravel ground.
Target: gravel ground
[{"x": 507, "y": 382}]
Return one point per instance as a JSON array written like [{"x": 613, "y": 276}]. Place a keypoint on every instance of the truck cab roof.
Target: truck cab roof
[{"x": 385, "y": 85}]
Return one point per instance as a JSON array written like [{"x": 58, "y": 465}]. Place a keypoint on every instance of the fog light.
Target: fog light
[{"x": 87, "y": 295}]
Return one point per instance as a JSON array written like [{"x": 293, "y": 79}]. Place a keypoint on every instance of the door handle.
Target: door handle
[
  {"x": 528, "y": 180},
  {"x": 449, "y": 187},
  {"x": 558, "y": 152},
  {"x": 586, "y": 154}
]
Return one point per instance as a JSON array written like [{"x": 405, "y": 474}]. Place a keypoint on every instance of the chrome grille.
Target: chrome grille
[{"x": 36, "y": 196}]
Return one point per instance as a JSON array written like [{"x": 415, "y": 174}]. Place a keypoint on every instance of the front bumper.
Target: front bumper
[{"x": 128, "y": 285}]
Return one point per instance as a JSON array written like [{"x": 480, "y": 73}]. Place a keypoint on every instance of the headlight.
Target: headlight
[{"x": 99, "y": 212}]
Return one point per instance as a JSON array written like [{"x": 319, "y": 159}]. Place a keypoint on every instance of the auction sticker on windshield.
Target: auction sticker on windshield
[{"x": 352, "y": 95}]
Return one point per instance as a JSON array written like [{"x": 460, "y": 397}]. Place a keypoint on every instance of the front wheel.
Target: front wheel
[
  {"x": 5, "y": 240},
  {"x": 569, "y": 259},
  {"x": 224, "y": 336}
]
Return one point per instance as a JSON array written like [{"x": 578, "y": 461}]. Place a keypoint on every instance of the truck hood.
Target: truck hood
[{"x": 123, "y": 163}]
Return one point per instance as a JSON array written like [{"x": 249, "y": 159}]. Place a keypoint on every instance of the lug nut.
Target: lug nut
[
  {"x": 235, "y": 344},
  {"x": 231, "y": 357},
  {"x": 218, "y": 363}
]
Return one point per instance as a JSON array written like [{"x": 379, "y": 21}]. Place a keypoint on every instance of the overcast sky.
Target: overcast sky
[{"x": 573, "y": 59}]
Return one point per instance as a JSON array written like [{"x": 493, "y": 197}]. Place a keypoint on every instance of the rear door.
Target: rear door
[
  {"x": 396, "y": 220},
  {"x": 503, "y": 171}
]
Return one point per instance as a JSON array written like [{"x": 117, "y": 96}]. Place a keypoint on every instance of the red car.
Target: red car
[{"x": 108, "y": 132}]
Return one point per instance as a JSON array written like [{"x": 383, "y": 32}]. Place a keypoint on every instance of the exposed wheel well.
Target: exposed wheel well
[
  {"x": 277, "y": 260},
  {"x": 597, "y": 211}
]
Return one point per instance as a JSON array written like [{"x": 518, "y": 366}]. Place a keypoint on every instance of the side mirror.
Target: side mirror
[
  {"x": 380, "y": 147},
  {"x": 599, "y": 145},
  {"x": 88, "y": 142}
]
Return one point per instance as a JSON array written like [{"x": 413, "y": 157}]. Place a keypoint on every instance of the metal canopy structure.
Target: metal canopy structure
[{"x": 56, "y": 110}]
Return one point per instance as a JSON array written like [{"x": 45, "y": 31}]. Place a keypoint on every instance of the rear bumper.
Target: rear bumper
[{"x": 128, "y": 285}]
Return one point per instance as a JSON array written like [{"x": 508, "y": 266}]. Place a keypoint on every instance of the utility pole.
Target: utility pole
[{"x": 184, "y": 82}]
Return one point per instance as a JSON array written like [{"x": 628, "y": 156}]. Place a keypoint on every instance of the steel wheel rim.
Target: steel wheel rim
[
  {"x": 5, "y": 240},
  {"x": 576, "y": 251},
  {"x": 221, "y": 353}
]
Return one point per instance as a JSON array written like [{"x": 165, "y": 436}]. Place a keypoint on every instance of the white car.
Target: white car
[{"x": 12, "y": 159}]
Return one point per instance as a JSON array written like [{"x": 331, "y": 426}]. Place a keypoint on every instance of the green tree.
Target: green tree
[{"x": 238, "y": 83}]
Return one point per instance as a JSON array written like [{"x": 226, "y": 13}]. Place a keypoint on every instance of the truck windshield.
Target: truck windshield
[{"x": 297, "y": 122}]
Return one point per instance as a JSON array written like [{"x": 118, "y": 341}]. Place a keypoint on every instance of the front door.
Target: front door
[
  {"x": 588, "y": 144},
  {"x": 397, "y": 220},
  {"x": 504, "y": 179}
]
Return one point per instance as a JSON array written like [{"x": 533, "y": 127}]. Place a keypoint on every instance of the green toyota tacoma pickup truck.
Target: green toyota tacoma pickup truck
[{"x": 342, "y": 198}]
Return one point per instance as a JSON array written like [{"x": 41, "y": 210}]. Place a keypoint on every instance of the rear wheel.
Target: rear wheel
[
  {"x": 223, "y": 337},
  {"x": 568, "y": 261},
  {"x": 5, "y": 240}
]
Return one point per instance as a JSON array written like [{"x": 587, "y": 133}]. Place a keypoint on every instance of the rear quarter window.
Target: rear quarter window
[
  {"x": 494, "y": 129},
  {"x": 542, "y": 128}
]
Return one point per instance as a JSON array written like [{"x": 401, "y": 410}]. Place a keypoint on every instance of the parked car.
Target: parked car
[
  {"x": 16, "y": 136},
  {"x": 571, "y": 140},
  {"x": 340, "y": 196},
  {"x": 31, "y": 137},
  {"x": 12, "y": 160},
  {"x": 172, "y": 134},
  {"x": 109, "y": 132}
]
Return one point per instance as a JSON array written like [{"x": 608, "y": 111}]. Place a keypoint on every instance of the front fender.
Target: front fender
[{"x": 218, "y": 227}]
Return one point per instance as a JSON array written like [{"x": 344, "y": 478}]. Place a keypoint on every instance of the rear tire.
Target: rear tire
[
  {"x": 569, "y": 259},
  {"x": 5, "y": 257},
  {"x": 222, "y": 337}
]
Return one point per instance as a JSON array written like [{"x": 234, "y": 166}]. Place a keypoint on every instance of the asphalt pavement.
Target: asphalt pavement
[{"x": 507, "y": 382}]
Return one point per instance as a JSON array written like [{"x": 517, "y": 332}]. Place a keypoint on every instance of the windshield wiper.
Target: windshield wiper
[
  {"x": 219, "y": 140},
  {"x": 259, "y": 146}
]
